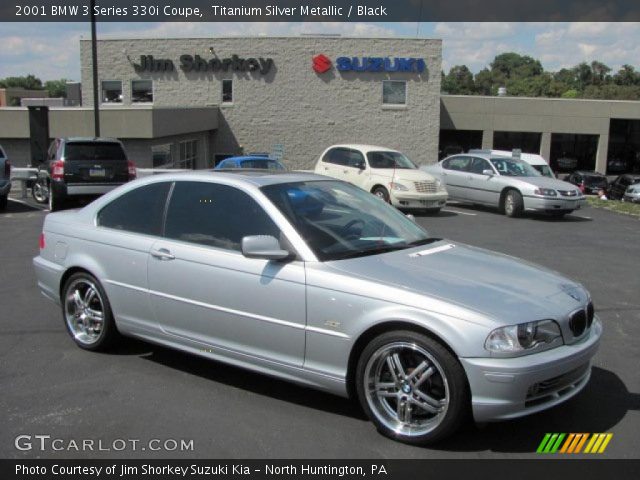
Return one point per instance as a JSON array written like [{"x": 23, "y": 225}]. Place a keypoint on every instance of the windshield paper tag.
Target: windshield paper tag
[{"x": 430, "y": 251}]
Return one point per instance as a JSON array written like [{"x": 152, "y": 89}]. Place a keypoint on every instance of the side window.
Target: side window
[
  {"x": 577, "y": 179},
  {"x": 331, "y": 156},
  {"x": 624, "y": 181},
  {"x": 338, "y": 156},
  {"x": 353, "y": 158},
  {"x": 460, "y": 164},
  {"x": 215, "y": 215},
  {"x": 478, "y": 165},
  {"x": 139, "y": 211}
]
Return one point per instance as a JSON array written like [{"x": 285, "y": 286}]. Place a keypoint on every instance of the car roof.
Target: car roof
[
  {"x": 248, "y": 157},
  {"x": 363, "y": 147},
  {"x": 90, "y": 139},
  {"x": 589, "y": 172},
  {"x": 255, "y": 177}
]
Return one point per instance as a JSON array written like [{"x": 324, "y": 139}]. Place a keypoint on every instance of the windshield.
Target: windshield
[
  {"x": 263, "y": 163},
  {"x": 544, "y": 170},
  {"x": 338, "y": 220},
  {"x": 594, "y": 180},
  {"x": 514, "y": 168},
  {"x": 389, "y": 160}
]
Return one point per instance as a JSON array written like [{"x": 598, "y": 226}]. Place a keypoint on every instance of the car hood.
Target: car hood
[
  {"x": 546, "y": 182},
  {"x": 405, "y": 174},
  {"x": 503, "y": 289}
]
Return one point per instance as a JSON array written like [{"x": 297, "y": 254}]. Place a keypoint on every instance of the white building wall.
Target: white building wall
[{"x": 292, "y": 104}]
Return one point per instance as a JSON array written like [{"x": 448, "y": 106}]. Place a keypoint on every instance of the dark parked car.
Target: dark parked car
[
  {"x": 85, "y": 167},
  {"x": 5, "y": 179},
  {"x": 251, "y": 161},
  {"x": 588, "y": 181},
  {"x": 620, "y": 184}
]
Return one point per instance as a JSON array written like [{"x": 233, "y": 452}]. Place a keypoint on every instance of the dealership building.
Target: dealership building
[{"x": 190, "y": 102}]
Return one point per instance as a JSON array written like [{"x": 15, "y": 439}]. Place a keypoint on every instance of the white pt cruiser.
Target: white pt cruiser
[{"x": 386, "y": 173}]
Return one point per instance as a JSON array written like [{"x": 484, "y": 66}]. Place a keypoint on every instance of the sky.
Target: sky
[{"x": 51, "y": 50}]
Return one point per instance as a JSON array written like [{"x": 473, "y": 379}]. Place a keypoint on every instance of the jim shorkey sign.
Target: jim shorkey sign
[{"x": 191, "y": 63}]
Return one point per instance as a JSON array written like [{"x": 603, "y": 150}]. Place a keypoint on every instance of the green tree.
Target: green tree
[
  {"x": 30, "y": 82},
  {"x": 627, "y": 75},
  {"x": 56, "y": 88},
  {"x": 459, "y": 81}
]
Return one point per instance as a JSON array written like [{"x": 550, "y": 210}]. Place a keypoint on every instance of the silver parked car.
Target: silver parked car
[
  {"x": 505, "y": 182},
  {"x": 316, "y": 281},
  {"x": 632, "y": 194}
]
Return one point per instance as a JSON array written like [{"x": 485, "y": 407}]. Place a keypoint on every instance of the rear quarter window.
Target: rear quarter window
[{"x": 138, "y": 211}]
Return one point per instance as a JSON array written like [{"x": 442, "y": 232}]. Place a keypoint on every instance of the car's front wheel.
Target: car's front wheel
[
  {"x": 513, "y": 204},
  {"x": 87, "y": 312},
  {"x": 382, "y": 193},
  {"x": 411, "y": 387}
]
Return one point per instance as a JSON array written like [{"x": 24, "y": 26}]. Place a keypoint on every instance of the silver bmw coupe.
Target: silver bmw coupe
[{"x": 316, "y": 281}]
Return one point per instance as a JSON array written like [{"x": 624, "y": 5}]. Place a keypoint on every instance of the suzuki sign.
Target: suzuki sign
[{"x": 321, "y": 64}]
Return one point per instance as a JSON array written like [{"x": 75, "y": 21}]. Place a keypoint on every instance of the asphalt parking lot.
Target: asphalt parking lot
[{"x": 51, "y": 387}]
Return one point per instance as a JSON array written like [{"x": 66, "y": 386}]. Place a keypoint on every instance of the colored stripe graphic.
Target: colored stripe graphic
[{"x": 574, "y": 442}]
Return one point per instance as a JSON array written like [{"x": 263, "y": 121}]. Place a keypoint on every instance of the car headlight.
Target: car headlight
[
  {"x": 524, "y": 338},
  {"x": 546, "y": 192},
  {"x": 398, "y": 186}
]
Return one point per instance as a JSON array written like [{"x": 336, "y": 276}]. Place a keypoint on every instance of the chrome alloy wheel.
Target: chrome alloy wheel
[
  {"x": 509, "y": 204},
  {"x": 84, "y": 311},
  {"x": 406, "y": 389}
]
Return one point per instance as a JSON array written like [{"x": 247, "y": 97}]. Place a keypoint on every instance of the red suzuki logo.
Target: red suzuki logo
[{"x": 321, "y": 63}]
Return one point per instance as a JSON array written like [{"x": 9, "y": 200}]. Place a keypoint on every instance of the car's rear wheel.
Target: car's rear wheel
[
  {"x": 513, "y": 204},
  {"x": 40, "y": 192},
  {"x": 87, "y": 313},
  {"x": 4, "y": 199},
  {"x": 411, "y": 387},
  {"x": 382, "y": 193}
]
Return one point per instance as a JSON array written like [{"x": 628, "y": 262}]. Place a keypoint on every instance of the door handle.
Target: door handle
[
  {"x": 345, "y": 171},
  {"x": 162, "y": 254},
  {"x": 326, "y": 168}
]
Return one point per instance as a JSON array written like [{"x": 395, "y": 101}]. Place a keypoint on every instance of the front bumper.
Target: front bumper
[
  {"x": 505, "y": 388},
  {"x": 411, "y": 200},
  {"x": 550, "y": 204}
]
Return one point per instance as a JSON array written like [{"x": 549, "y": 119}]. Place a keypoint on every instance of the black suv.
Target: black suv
[
  {"x": 620, "y": 185},
  {"x": 85, "y": 167}
]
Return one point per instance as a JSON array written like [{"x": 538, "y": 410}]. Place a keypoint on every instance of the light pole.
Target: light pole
[{"x": 94, "y": 61}]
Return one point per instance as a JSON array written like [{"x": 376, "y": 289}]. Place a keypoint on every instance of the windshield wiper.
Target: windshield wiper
[
  {"x": 424, "y": 241},
  {"x": 369, "y": 251}
]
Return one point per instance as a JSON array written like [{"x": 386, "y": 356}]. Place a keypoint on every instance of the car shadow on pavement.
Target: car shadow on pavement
[
  {"x": 597, "y": 409},
  {"x": 14, "y": 206},
  {"x": 254, "y": 382}
]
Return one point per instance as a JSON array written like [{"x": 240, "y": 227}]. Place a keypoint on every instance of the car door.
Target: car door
[
  {"x": 455, "y": 176},
  {"x": 331, "y": 163},
  {"x": 205, "y": 293},
  {"x": 483, "y": 188}
]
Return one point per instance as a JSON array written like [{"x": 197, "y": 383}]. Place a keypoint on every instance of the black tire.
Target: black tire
[
  {"x": 434, "y": 362},
  {"x": 513, "y": 205},
  {"x": 4, "y": 200},
  {"x": 56, "y": 201},
  {"x": 82, "y": 332},
  {"x": 382, "y": 193}
]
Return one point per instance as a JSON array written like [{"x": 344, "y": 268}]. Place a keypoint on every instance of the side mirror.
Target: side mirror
[
  {"x": 263, "y": 246},
  {"x": 488, "y": 172},
  {"x": 361, "y": 165}
]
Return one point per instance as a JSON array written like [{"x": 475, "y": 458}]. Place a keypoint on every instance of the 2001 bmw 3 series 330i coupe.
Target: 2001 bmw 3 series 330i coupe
[{"x": 316, "y": 281}]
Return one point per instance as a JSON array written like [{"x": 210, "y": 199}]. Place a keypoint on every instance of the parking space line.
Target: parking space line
[{"x": 459, "y": 212}]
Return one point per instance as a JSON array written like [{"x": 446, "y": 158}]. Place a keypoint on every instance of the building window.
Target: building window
[
  {"x": 188, "y": 154},
  {"x": 111, "y": 91},
  {"x": 162, "y": 157},
  {"x": 394, "y": 92},
  {"x": 227, "y": 91},
  {"x": 142, "y": 91}
]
